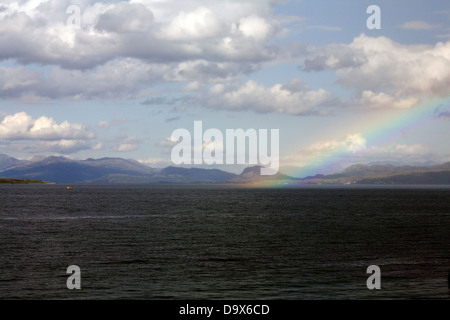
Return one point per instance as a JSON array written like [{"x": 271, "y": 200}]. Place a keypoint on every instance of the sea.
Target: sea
[{"x": 211, "y": 242}]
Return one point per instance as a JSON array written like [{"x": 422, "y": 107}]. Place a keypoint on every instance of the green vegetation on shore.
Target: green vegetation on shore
[{"x": 21, "y": 181}]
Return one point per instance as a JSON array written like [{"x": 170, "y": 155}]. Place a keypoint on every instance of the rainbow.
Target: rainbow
[{"x": 379, "y": 129}]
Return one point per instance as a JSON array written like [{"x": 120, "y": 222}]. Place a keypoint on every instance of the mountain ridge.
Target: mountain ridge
[
  {"x": 111, "y": 170},
  {"x": 65, "y": 170},
  {"x": 385, "y": 174}
]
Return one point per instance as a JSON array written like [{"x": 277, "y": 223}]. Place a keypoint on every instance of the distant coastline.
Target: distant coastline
[{"x": 22, "y": 181}]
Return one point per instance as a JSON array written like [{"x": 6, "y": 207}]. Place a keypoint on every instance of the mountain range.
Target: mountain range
[
  {"x": 386, "y": 174},
  {"x": 127, "y": 171},
  {"x": 65, "y": 170}
]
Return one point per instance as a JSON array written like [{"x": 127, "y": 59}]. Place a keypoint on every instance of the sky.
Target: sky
[{"x": 90, "y": 79}]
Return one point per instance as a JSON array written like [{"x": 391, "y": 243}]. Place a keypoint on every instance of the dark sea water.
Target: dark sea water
[{"x": 175, "y": 242}]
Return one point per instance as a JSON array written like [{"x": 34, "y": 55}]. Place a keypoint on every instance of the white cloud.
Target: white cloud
[
  {"x": 384, "y": 73},
  {"x": 12, "y": 79},
  {"x": 198, "y": 24},
  {"x": 255, "y": 27},
  {"x": 199, "y": 73},
  {"x": 123, "y": 48},
  {"x": 103, "y": 124},
  {"x": 291, "y": 98},
  {"x": 126, "y": 144},
  {"x": 167, "y": 144},
  {"x": 351, "y": 143},
  {"x": 125, "y": 17},
  {"x": 22, "y": 126},
  {"x": 21, "y": 133},
  {"x": 418, "y": 25},
  {"x": 156, "y": 162},
  {"x": 54, "y": 147},
  {"x": 123, "y": 77},
  {"x": 371, "y": 99},
  {"x": 98, "y": 146},
  {"x": 400, "y": 150},
  {"x": 156, "y": 31}
]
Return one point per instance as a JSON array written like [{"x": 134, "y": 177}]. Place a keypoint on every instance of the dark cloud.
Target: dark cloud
[
  {"x": 125, "y": 17},
  {"x": 166, "y": 101},
  {"x": 334, "y": 56},
  {"x": 173, "y": 119},
  {"x": 442, "y": 112}
]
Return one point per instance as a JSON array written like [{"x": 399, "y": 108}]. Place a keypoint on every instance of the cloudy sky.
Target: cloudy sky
[{"x": 91, "y": 79}]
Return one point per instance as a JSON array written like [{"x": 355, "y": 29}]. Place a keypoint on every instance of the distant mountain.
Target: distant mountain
[
  {"x": 386, "y": 174},
  {"x": 302, "y": 172},
  {"x": 191, "y": 175},
  {"x": 105, "y": 171},
  {"x": 37, "y": 158},
  {"x": 253, "y": 174},
  {"x": 422, "y": 178},
  {"x": 127, "y": 171},
  {"x": 120, "y": 171},
  {"x": 119, "y": 165},
  {"x": 365, "y": 170},
  {"x": 8, "y": 162},
  {"x": 64, "y": 170},
  {"x": 445, "y": 166},
  {"x": 178, "y": 175}
]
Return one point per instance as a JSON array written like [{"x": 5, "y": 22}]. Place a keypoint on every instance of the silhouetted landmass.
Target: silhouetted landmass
[
  {"x": 386, "y": 174},
  {"x": 169, "y": 175},
  {"x": 435, "y": 178},
  {"x": 253, "y": 174},
  {"x": 127, "y": 171},
  {"x": 64, "y": 170}
]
